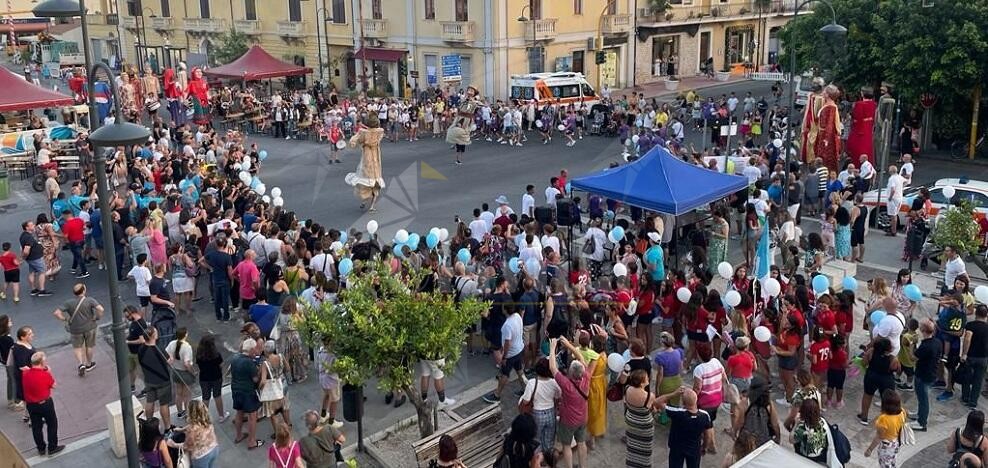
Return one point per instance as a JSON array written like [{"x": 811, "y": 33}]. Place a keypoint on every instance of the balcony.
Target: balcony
[
  {"x": 205, "y": 25},
  {"x": 161, "y": 24},
  {"x": 128, "y": 22},
  {"x": 291, "y": 28},
  {"x": 100, "y": 20},
  {"x": 375, "y": 28},
  {"x": 616, "y": 24},
  {"x": 678, "y": 14},
  {"x": 541, "y": 29},
  {"x": 457, "y": 31},
  {"x": 248, "y": 27}
]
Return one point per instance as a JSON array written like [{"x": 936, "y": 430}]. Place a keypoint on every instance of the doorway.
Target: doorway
[
  {"x": 704, "y": 52},
  {"x": 738, "y": 45}
]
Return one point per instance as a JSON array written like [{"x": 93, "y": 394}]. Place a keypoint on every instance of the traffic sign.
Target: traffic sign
[
  {"x": 413, "y": 73},
  {"x": 451, "y": 68}
]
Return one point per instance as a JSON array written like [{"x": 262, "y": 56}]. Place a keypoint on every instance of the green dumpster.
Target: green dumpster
[{"x": 4, "y": 184}]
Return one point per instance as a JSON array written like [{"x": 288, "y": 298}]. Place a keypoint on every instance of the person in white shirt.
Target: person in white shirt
[
  {"x": 895, "y": 186},
  {"x": 846, "y": 175},
  {"x": 487, "y": 216},
  {"x": 597, "y": 255},
  {"x": 907, "y": 169},
  {"x": 142, "y": 281},
  {"x": 528, "y": 201},
  {"x": 867, "y": 172},
  {"x": 529, "y": 250},
  {"x": 551, "y": 191},
  {"x": 752, "y": 172},
  {"x": 677, "y": 130},
  {"x": 478, "y": 227},
  {"x": 891, "y": 325},
  {"x": 323, "y": 262},
  {"x": 732, "y": 103},
  {"x": 953, "y": 268},
  {"x": 549, "y": 239}
]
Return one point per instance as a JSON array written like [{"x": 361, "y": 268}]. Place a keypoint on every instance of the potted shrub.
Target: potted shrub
[
  {"x": 725, "y": 73},
  {"x": 672, "y": 82}
]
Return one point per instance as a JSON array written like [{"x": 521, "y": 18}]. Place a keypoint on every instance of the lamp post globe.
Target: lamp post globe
[{"x": 119, "y": 134}]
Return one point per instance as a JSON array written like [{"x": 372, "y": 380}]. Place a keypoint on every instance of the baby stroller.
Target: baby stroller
[{"x": 600, "y": 118}]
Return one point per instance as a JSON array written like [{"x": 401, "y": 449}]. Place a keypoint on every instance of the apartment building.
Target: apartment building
[{"x": 689, "y": 32}]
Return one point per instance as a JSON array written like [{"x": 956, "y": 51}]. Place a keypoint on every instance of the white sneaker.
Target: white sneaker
[
  {"x": 447, "y": 402},
  {"x": 222, "y": 419},
  {"x": 337, "y": 424},
  {"x": 519, "y": 144},
  {"x": 782, "y": 401}
]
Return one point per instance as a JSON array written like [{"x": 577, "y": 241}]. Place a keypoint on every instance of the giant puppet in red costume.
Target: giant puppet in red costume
[
  {"x": 199, "y": 95},
  {"x": 828, "y": 145},
  {"x": 77, "y": 84},
  {"x": 860, "y": 143},
  {"x": 174, "y": 95},
  {"x": 810, "y": 125}
]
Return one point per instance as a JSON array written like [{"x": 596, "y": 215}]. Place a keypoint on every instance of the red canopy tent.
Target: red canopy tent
[
  {"x": 18, "y": 94},
  {"x": 256, "y": 64}
]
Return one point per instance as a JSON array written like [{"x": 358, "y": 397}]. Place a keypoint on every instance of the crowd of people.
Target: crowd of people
[{"x": 579, "y": 319}]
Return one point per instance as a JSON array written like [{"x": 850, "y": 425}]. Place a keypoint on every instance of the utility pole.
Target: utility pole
[
  {"x": 363, "y": 45},
  {"x": 974, "y": 121}
]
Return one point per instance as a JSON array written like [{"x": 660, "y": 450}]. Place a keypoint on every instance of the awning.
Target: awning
[
  {"x": 384, "y": 55},
  {"x": 255, "y": 64},
  {"x": 18, "y": 94}
]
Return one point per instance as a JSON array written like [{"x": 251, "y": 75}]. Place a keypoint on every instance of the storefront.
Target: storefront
[
  {"x": 739, "y": 44},
  {"x": 665, "y": 50}
]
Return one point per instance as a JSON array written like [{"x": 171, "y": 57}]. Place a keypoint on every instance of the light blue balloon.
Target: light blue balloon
[
  {"x": 413, "y": 241},
  {"x": 262, "y": 155},
  {"x": 432, "y": 240},
  {"x": 627, "y": 355},
  {"x": 397, "y": 251},
  {"x": 532, "y": 266},
  {"x": 255, "y": 182},
  {"x": 463, "y": 255},
  {"x": 346, "y": 266},
  {"x": 913, "y": 292},
  {"x": 569, "y": 187},
  {"x": 877, "y": 316},
  {"x": 343, "y": 237},
  {"x": 616, "y": 234},
  {"x": 608, "y": 215},
  {"x": 514, "y": 265},
  {"x": 850, "y": 283},
  {"x": 821, "y": 283}
]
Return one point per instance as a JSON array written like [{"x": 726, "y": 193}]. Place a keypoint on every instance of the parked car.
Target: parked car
[{"x": 975, "y": 191}]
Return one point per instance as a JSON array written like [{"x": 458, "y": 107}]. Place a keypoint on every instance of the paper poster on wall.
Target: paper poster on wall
[{"x": 430, "y": 75}]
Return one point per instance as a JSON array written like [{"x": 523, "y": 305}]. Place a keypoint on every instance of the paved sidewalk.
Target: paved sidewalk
[{"x": 658, "y": 88}]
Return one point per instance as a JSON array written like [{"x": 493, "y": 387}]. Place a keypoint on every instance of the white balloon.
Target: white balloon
[
  {"x": 949, "y": 192},
  {"x": 620, "y": 269},
  {"x": 401, "y": 236},
  {"x": 772, "y": 287},
  {"x": 237, "y": 167},
  {"x": 732, "y": 298},
  {"x": 276, "y": 192},
  {"x": 762, "y": 334},
  {"x": 683, "y": 294},
  {"x": 981, "y": 294},
  {"x": 435, "y": 231},
  {"x": 245, "y": 165},
  {"x": 777, "y": 142},
  {"x": 244, "y": 177},
  {"x": 261, "y": 188},
  {"x": 278, "y": 201},
  {"x": 371, "y": 227},
  {"x": 634, "y": 139},
  {"x": 561, "y": 127},
  {"x": 443, "y": 234},
  {"x": 266, "y": 199},
  {"x": 726, "y": 270},
  {"x": 615, "y": 362}
]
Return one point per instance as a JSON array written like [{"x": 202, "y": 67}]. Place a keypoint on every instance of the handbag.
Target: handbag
[
  {"x": 906, "y": 434},
  {"x": 528, "y": 406},
  {"x": 732, "y": 395},
  {"x": 273, "y": 389},
  {"x": 615, "y": 392},
  {"x": 590, "y": 246},
  {"x": 68, "y": 323}
]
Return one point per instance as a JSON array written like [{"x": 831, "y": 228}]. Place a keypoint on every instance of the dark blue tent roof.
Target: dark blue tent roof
[{"x": 661, "y": 182}]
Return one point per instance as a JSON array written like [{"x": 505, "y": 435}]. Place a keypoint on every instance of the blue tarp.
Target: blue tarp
[{"x": 661, "y": 182}]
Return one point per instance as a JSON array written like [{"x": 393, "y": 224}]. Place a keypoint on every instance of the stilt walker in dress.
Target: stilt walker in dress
[{"x": 368, "y": 182}]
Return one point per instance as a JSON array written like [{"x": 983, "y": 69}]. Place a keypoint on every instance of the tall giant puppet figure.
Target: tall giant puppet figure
[
  {"x": 828, "y": 145},
  {"x": 860, "y": 142},
  {"x": 810, "y": 126},
  {"x": 368, "y": 181},
  {"x": 199, "y": 96},
  {"x": 458, "y": 133}
]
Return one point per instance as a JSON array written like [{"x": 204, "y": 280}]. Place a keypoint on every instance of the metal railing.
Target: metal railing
[
  {"x": 543, "y": 29},
  {"x": 616, "y": 24},
  {"x": 688, "y": 13},
  {"x": 457, "y": 31},
  {"x": 375, "y": 28}
]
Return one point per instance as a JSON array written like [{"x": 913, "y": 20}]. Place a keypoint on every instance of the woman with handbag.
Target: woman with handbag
[
  {"x": 539, "y": 399},
  {"x": 183, "y": 369},
  {"x": 272, "y": 387}
]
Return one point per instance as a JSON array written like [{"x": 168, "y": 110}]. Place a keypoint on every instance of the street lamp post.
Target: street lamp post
[
  {"x": 831, "y": 31},
  {"x": 319, "y": 42},
  {"x": 121, "y": 133},
  {"x": 525, "y": 19}
]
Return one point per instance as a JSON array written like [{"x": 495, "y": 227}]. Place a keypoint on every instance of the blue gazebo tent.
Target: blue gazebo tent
[{"x": 661, "y": 182}]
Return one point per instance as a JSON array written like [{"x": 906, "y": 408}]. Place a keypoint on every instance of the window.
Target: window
[
  {"x": 250, "y": 10},
  {"x": 565, "y": 91},
  {"x": 577, "y": 61},
  {"x": 376, "y": 12},
  {"x": 461, "y": 10},
  {"x": 204, "y": 9},
  {"x": 134, "y": 8},
  {"x": 535, "y": 62},
  {"x": 522, "y": 92},
  {"x": 577, "y": 7},
  {"x": 339, "y": 11},
  {"x": 294, "y": 10},
  {"x": 587, "y": 90},
  {"x": 536, "y": 9},
  {"x": 430, "y": 9},
  {"x": 612, "y": 8},
  {"x": 166, "y": 9}
]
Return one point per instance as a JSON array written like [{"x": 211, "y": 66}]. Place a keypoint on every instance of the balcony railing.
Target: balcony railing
[
  {"x": 159, "y": 23},
  {"x": 616, "y": 24},
  {"x": 291, "y": 28},
  {"x": 676, "y": 13},
  {"x": 375, "y": 28},
  {"x": 128, "y": 22},
  {"x": 541, "y": 29},
  {"x": 457, "y": 31},
  {"x": 112, "y": 19},
  {"x": 205, "y": 25},
  {"x": 94, "y": 19},
  {"x": 249, "y": 27}
]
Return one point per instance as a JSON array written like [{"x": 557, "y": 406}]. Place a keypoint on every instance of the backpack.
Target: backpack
[
  {"x": 842, "y": 446},
  {"x": 590, "y": 246},
  {"x": 163, "y": 320},
  {"x": 758, "y": 423}
]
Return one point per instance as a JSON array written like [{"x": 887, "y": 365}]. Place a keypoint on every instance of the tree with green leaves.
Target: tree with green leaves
[
  {"x": 382, "y": 327},
  {"x": 231, "y": 46},
  {"x": 919, "y": 50}
]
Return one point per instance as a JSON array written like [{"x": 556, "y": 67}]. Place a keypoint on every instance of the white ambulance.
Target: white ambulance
[{"x": 547, "y": 88}]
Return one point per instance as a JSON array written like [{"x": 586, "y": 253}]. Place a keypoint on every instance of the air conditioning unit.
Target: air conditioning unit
[{"x": 592, "y": 43}]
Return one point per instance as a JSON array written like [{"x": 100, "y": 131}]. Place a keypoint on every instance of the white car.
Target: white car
[{"x": 975, "y": 191}]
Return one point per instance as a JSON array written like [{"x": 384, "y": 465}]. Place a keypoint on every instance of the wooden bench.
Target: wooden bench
[
  {"x": 69, "y": 163},
  {"x": 21, "y": 164},
  {"x": 479, "y": 439}
]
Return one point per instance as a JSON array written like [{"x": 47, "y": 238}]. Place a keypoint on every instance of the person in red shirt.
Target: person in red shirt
[
  {"x": 789, "y": 340},
  {"x": 837, "y": 371},
  {"x": 740, "y": 367},
  {"x": 845, "y": 314},
  {"x": 646, "y": 302},
  {"x": 11, "y": 273},
  {"x": 819, "y": 356},
  {"x": 74, "y": 230},
  {"x": 38, "y": 382},
  {"x": 716, "y": 316},
  {"x": 826, "y": 319}
]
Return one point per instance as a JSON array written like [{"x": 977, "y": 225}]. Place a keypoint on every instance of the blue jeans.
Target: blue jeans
[
  {"x": 922, "y": 388},
  {"x": 971, "y": 391},
  {"x": 78, "y": 263},
  {"x": 207, "y": 460},
  {"x": 221, "y": 300}
]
